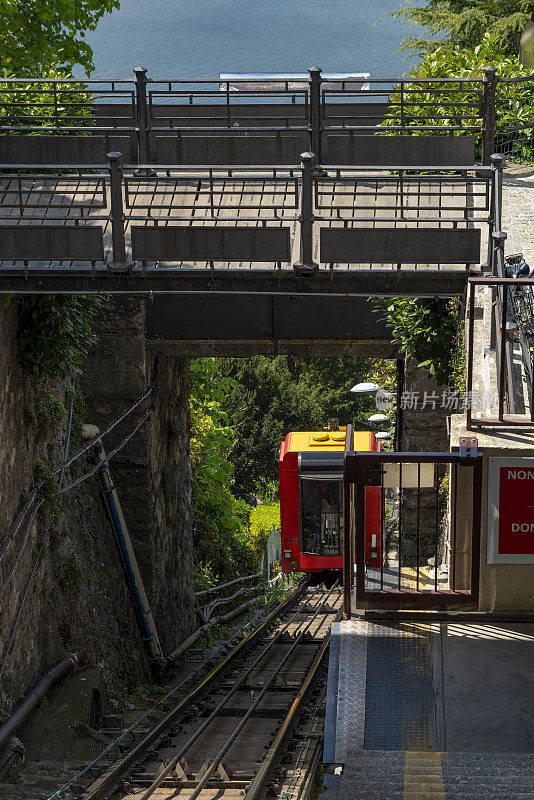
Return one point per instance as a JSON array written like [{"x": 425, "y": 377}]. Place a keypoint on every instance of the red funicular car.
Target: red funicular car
[{"x": 311, "y": 500}]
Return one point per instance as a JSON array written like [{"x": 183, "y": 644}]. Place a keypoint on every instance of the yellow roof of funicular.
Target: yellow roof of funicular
[{"x": 327, "y": 440}]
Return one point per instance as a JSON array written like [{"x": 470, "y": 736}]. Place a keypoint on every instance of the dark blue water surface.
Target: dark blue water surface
[{"x": 202, "y": 38}]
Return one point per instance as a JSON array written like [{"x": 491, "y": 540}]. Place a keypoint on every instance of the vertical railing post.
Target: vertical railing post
[
  {"x": 118, "y": 262},
  {"x": 498, "y": 239},
  {"x": 470, "y": 353},
  {"x": 497, "y": 167},
  {"x": 488, "y": 114},
  {"x": 348, "y": 562},
  {"x": 141, "y": 106},
  {"x": 315, "y": 112},
  {"x": 306, "y": 264}
]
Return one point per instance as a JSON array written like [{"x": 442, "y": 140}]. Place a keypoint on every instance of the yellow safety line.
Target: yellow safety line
[
  {"x": 416, "y": 657},
  {"x": 423, "y": 776}
]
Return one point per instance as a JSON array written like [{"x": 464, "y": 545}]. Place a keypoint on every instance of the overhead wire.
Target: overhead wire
[
  {"x": 61, "y": 471},
  {"x": 61, "y": 468}
]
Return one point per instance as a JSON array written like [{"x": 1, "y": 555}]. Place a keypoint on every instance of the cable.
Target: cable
[
  {"x": 87, "y": 446},
  {"x": 61, "y": 491},
  {"x": 113, "y": 452},
  {"x": 45, "y": 538},
  {"x": 22, "y": 548},
  {"x": 61, "y": 468}
]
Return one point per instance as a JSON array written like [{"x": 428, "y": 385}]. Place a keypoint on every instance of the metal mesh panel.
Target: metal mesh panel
[{"x": 272, "y": 554}]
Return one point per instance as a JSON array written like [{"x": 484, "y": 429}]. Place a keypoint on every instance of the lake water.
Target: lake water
[{"x": 180, "y": 38}]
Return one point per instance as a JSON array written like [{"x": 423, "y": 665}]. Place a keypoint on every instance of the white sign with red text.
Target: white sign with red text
[{"x": 510, "y": 511}]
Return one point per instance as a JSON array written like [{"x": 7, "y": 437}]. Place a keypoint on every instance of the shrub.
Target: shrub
[
  {"x": 54, "y": 333},
  {"x": 515, "y": 104}
]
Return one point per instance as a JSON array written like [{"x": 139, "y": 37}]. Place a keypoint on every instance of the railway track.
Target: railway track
[{"x": 229, "y": 737}]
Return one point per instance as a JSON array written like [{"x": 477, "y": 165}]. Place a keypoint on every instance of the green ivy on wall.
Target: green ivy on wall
[{"x": 54, "y": 333}]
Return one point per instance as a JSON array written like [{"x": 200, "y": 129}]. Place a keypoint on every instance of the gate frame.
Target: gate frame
[{"x": 355, "y": 480}]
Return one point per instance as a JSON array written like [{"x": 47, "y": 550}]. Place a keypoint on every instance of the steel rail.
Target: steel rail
[
  {"x": 215, "y": 763},
  {"x": 174, "y": 761},
  {"x": 106, "y": 782},
  {"x": 264, "y": 771}
]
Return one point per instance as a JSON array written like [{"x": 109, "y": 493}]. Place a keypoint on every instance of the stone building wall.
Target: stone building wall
[
  {"x": 152, "y": 473},
  {"x": 424, "y": 430},
  {"x": 77, "y": 597}
]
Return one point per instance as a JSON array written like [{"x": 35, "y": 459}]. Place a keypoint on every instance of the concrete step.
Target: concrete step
[{"x": 425, "y": 775}]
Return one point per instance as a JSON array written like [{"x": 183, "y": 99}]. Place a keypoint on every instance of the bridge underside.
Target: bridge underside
[{"x": 244, "y": 325}]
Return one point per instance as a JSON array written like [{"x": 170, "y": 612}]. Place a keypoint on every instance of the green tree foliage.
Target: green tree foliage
[
  {"x": 463, "y": 23},
  {"x": 271, "y": 396},
  {"x": 37, "y": 33},
  {"x": 221, "y": 518},
  {"x": 515, "y": 103},
  {"x": 427, "y": 331},
  {"x": 37, "y": 105},
  {"x": 263, "y": 519},
  {"x": 54, "y": 333}
]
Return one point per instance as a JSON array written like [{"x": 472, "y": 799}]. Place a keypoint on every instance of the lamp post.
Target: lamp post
[{"x": 368, "y": 387}]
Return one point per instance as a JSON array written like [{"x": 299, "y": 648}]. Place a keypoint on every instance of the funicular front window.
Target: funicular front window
[{"x": 322, "y": 516}]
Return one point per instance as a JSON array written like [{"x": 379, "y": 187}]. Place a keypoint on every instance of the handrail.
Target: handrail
[
  {"x": 141, "y": 94},
  {"x": 504, "y": 351}
]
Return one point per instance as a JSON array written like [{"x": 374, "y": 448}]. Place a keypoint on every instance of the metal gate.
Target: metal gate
[{"x": 430, "y": 528}]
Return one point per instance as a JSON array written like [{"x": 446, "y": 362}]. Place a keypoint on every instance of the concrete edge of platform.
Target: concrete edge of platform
[{"x": 329, "y": 747}]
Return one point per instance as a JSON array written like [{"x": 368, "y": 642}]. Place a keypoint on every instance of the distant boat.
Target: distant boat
[{"x": 295, "y": 81}]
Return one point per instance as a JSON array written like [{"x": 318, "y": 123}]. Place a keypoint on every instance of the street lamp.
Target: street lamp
[
  {"x": 382, "y": 436},
  {"x": 365, "y": 388},
  {"x": 378, "y": 418}
]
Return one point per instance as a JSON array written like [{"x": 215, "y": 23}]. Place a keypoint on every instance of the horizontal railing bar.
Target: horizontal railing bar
[
  {"x": 494, "y": 281},
  {"x": 403, "y": 219},
  {"x": 479, "y": 170},
  {"x": 389, "y": 128},
  {"x": 389, "y": 457}
]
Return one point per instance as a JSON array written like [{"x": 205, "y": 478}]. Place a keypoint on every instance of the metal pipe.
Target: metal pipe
[
  {"x": 190, "y": 641},
  {"x": 220, "y": 586},
  {"x": 41, "y": 688},
  {"x": 143, "y": 611},
  {"x": 488, "y": 113}
]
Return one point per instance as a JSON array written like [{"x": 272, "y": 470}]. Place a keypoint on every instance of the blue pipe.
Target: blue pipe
[
  {"x": 148, "y": 634},
  {"x": 141, "y": 611}
]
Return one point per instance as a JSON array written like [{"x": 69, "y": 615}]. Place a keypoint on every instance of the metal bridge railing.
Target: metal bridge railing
[
  {"x": 512, "y": 327},
  {"x": 317, "y": 108},
  {"x": 300, "y": 215}
]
